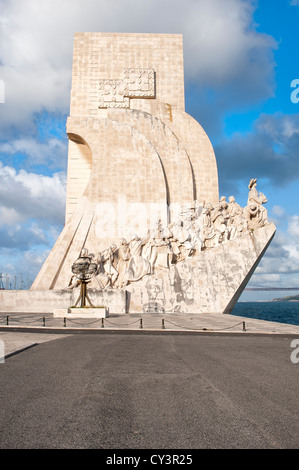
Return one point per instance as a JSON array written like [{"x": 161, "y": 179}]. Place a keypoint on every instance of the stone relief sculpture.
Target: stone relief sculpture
[
  {"x": 256, "y": 214},
  {"x": 136, "y": 83},
  {"x": 109, "y": 262},
  {"x": 236, "y": 221},
  {"x": 138, "y": 265},
  {"x": 197, "y": 228},
  {"x": 111, "y": 94},
  {"x": 139, "y": 83},
  {"x": 123, "y": 255}
]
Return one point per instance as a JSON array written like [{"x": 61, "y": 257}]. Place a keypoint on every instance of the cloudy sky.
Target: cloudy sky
[{"x": 241, "y": 84}]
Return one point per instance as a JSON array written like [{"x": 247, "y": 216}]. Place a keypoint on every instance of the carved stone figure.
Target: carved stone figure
[
  {"x": 149, "y": 252},
  {"x": 236, "y": 222},
  {"x": 109, "y": 261},
  {"x": 123, "y": 257},
  {"x": 180, "y": 232},
  {"x": 197, "y": 236},
  {"x": 164, "y": 254},
  {"x": 219, "y": 218},
  {"x": 188, "y": 245},
  {"x": 101, "y": 277},
  {"x": 208, "y": 232},
  {"x": 74, "y": 282},
  {"x": 157, "y": 231},
  {"x": 256, "y": 214},
  {"x": 138, "y": 266},
  {"x": 215, "y": 224}
]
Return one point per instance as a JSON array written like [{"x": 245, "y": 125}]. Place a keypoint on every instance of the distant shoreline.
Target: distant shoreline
[
  {"x": 283, "y": 299},
  {"x": 292, "y": 298}
]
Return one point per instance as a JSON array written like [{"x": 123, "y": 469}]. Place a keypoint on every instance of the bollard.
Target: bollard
[
  {"x": 103, "y": 323},
  {"x": 44, "y": 321},
  {"x": 244, "y": 328},
  {"x": 141, "y": 326},
  {"x": 7, "y": 320},
  {"x": 163, "y": 325},
  {"x": 64, "y": 322}
]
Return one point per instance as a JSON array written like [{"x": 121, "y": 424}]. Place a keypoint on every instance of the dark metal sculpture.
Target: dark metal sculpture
[{"x": 84, "y": 269}]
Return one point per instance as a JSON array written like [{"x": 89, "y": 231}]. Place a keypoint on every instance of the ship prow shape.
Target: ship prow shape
[{"x": 210, "y": 282}]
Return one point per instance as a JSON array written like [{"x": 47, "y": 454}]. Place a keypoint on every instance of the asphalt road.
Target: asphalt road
[{"x": 151, "y": 392}]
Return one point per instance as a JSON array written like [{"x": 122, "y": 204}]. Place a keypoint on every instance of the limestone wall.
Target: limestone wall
[{"x": 105, "y": 56}]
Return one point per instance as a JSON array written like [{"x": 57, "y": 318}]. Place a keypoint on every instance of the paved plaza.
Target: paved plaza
[{"x": 149, "y": 390}]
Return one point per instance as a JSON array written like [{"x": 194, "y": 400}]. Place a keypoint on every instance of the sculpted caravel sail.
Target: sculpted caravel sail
[{"x": 142, "y": 188}]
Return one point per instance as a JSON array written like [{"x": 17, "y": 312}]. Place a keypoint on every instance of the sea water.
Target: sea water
[{"x": 283, "y": 312}]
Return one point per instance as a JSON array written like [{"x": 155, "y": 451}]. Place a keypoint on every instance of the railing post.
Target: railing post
[
  {"x": 64, "y": 322},
  {"x": 141, "y": 326},
  {"x": 244, "y": 327},
  {"x": 7, "y": 320},
  {"x": 163, "y": 324}
]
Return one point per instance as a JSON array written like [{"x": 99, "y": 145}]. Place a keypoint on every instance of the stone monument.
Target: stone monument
[{"x": 142, "y": 189}]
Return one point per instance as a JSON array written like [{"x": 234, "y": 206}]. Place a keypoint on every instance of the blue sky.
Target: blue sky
[{"x": 240, "y": 59}]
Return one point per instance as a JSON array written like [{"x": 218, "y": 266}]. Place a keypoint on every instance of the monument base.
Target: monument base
[
  {"x": 46, "y": 301},
  {"x": 81, "y": 312}
]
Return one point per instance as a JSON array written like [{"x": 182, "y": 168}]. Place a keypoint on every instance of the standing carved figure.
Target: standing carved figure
[
  {"x": 236, "y": 222},
  {"x": 208, "y": 232},
  {"x": 109, "y": 261},
  {"x": 138, "y": 266},
  {"x": 101, "y": 277},
  {"x": 123, "y": 257},
  {"x": 256, "y": 214}
]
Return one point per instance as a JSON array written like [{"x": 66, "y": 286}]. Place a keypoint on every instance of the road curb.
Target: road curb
[
  {"x": 20, "y": 350},
  {"x": 142, "y": 331}
]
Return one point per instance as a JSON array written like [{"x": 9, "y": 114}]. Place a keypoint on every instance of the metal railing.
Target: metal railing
[{"x": 20, "y": 320}]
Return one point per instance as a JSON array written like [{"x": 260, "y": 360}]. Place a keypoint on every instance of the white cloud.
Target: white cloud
[
  {"x": 281, "y": 261},
  {"x": 26, "y": 195},
  {"x": 278, "y": 211},
  {"x": 52, "y": 152},
  {"x": 9, "y": 216},
  {"x": 266, "y": 278},
  {"x": 31, "y": 217},
  {"x": 26, "y": 262},
  {"x": 293, "y": 228}
]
